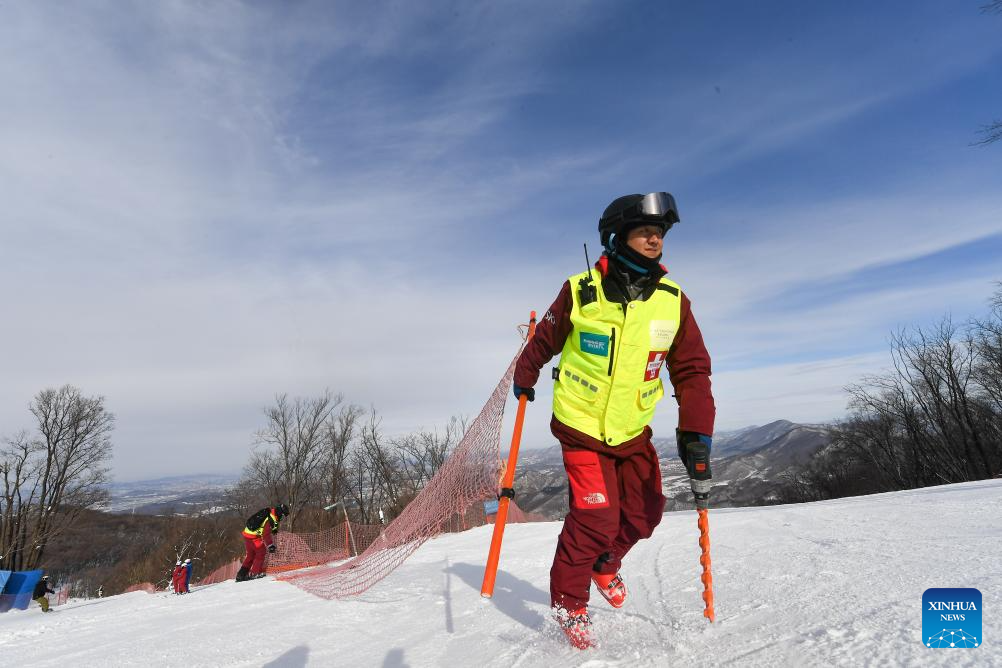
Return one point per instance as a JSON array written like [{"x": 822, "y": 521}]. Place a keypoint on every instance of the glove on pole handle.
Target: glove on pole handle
[
  {"x": 704, "y": 560},
  {"x": 494, "y": 556}
]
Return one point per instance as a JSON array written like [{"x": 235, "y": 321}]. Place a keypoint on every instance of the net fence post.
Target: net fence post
[{"x": 507, "y": 490}]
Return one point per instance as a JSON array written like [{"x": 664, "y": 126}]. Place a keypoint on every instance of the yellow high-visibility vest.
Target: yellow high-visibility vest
[
  {"x": 610, "y": 368},
  {"x": 257, "y": 532}
]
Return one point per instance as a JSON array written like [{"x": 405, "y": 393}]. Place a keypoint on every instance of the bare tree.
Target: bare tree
[
  {"x": 50, "y": 479},
  {"x": 293, "y": 451},
  {"x": 366, "y": 469},
  {"x": 342, "y": 431},
  {"x": 992, "y": 132},
  {"x": 19, "y": 465},
  {"x": 986, "y": 339},
  {"x": 422, "y": 454},
  {"x": 386, "y": 474},
  {"x": 833, "y": 472},
  {"x": 379, "y": 455},
  {"x": 935, "y": 418},
  {"x": 319, "y": 451},
  {"x": 925, "y": 422}
]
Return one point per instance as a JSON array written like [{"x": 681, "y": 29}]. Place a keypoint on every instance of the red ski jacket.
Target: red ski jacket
[{"x": 688, "y": 362}]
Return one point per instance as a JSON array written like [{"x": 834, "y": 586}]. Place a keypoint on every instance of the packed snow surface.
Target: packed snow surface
[{"x": 831, "y": 583}]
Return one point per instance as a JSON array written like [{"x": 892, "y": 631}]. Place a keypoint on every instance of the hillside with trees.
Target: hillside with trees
[{"x": 934, "y": 418}]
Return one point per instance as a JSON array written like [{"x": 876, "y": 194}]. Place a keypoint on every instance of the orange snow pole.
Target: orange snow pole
[
  {"x": 507, "y": 492},
  {"x": 704, "y": 559}
]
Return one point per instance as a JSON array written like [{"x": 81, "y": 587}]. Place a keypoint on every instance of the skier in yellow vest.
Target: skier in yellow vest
[{"x": 615, "y": 327}]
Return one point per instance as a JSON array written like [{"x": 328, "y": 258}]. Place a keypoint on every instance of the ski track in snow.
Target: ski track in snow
[{"x": 832, "y": 583}]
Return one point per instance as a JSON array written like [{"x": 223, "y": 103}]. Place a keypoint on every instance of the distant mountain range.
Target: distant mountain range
[
  {"x": 747, "y": 464},
  {"x": 181, "y": 495}
]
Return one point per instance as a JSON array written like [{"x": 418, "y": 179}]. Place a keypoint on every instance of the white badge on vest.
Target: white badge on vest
[{"x": 662, "y": 333}]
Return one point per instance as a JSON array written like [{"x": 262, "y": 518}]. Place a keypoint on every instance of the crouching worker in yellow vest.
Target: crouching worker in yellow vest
[
  {"x": 615, "y": 327},
  {"x": 258, "y": 538}
]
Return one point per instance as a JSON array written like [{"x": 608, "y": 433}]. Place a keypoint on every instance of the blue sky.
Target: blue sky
[{"x": 206, "y": 204}]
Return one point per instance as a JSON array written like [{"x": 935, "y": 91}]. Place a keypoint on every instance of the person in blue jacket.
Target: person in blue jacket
[{"x": 187, "y": 575}]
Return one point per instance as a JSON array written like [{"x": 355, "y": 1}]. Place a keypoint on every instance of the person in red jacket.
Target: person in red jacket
[
  {"x": 258, "y": 539},
  {"x": 177, "y": 578},
  {"x": 615, "y": 327}
]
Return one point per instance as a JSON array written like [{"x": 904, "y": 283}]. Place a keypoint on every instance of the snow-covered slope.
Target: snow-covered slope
[{"x": 832, "y": 583}]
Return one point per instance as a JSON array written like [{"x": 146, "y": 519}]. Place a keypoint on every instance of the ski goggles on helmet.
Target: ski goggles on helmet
[{"x": 659, "y": 207}]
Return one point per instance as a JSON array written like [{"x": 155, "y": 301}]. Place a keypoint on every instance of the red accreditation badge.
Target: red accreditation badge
[{"x": 655, "y": 360}]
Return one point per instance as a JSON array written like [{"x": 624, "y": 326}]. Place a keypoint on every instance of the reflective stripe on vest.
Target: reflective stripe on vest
[{"x": 610, "y": 367}]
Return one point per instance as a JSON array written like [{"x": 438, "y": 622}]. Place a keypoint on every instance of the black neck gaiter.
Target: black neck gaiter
[{"x": 636, "y": 264}]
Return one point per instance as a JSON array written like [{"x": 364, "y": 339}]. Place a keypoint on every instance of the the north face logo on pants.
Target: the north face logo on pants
[{"x": 587, "y": 483}]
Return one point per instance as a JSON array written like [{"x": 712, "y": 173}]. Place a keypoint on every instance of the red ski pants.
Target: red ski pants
[
  {"x": 615, "y": 500},
  {"x": 254, "y": 561}
]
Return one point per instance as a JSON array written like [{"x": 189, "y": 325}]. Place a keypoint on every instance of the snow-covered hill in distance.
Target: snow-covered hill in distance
[
  {"x": 754, "y": 456},
  {"x": 725, "y": 444},
  {"x": 175, "y": 494},
  {"x": 834, "y": 583},
  {"x": 747, "y": 464},
  {"x": 748, "y": 439}
]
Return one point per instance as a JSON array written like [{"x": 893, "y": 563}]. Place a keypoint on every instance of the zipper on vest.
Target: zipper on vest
[{"x": 612, "y": 349}]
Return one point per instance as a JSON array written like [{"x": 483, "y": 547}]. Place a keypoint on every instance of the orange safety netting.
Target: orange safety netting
[
  {"x": 62, "y": 595},
  {"x": 469, "y": 476},
  {"x": 148, "y": 587},
  {"x": 299, "y": 550},
  {"x": 222, "y": 574},
  {"x": 302, "y": 550},
  {"x": 475, "y": 517}
]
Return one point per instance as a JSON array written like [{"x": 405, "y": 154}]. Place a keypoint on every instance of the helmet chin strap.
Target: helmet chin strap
[{"x": 632, "y": 265}]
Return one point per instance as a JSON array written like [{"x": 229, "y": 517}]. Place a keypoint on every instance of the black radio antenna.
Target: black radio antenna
[{"x": 587, "y": 293}]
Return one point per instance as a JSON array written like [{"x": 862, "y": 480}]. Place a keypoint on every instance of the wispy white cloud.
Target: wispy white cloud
[
  {"x": 208, "y": 204},
  {"x": 811, "y": 392}
]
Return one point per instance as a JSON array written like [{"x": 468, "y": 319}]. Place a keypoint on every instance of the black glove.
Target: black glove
[
  {"x": 530, "y": 393},
  {"x": 683, "y": 438},
  {"x": 694, "y": 450},
  {"x": 272, "y": 548}
]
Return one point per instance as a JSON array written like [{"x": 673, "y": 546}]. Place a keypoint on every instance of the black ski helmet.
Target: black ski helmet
[
  {"x": 628, "y": 211},
  {"x": 282, "y": 510}
]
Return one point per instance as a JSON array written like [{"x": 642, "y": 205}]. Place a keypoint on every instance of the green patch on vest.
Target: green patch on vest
[{"x": 595, "y": 344}]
